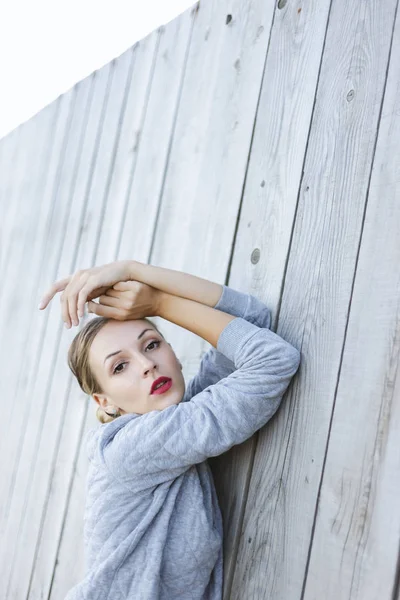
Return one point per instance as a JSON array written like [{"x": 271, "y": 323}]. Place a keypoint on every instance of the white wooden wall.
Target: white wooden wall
[{"x": 257, "y": 144}]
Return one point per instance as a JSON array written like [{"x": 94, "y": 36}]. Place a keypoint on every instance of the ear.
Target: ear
[{"x": 101, "y": 400}]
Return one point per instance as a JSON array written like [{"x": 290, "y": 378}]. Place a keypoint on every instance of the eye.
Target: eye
[
  {"x": 119, "y": 365},
  {"x": 115, "y": 372},
  {"x": 154, "y": 342}
]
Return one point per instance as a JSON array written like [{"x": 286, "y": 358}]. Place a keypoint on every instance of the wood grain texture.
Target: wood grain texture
[
  {"x": 357, "y": 529},
  {"x": 314, "y": 305},
  {"x": 22, "y": 323},
  {"x": 267, "y": 216},
  {"x": 9, "y": 148},
  {"x": 33, "y": 457}
]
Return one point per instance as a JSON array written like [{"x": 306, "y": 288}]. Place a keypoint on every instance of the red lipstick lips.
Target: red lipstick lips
[{"x": 167, "y": 381}]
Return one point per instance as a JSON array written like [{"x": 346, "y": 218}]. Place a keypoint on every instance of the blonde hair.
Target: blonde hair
[{"x": 78, "y": 361}]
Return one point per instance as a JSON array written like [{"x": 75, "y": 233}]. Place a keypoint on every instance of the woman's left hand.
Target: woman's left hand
[{"x": 85, "y": 285}]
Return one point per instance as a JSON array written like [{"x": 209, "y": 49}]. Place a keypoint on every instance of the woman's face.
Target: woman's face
[{"x": 126, "y": 360}]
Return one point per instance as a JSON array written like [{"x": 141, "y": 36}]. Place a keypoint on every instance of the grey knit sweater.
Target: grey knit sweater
[{"x": 153, "y": 528}]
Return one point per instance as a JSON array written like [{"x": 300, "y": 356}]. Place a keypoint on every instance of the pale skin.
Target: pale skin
[
  {"x": 126, "y": 377},
  {"x": 128, "y": 291}
]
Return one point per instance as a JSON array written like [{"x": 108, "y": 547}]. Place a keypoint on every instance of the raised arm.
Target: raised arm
[
  {"x": 176, "y": 283},
  {"x": 214, "y": 365}
]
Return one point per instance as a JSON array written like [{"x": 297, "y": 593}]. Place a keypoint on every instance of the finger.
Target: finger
[
  {"x": 80, "y": 291},
  {"x": 84, "y": 294},
  {"x": 110, "y": 293},
  {"x": 106, "y": 311},
  {"x": 114, "y": 301},
  {"x": 58, "y": 286},
  {"x": 97, "y": 292},
  {"x": 64, "y": 308},
  {"x": 122, "y": 286},
  {"x": 72, "y": 310},
  {"x": 70, "y": 297}
]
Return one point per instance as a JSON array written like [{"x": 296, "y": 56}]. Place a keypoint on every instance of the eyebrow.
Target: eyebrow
[{"x": 139, "y": 336}]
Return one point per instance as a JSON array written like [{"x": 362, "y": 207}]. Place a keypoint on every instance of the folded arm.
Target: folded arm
[{"x": 146, "y": 450}]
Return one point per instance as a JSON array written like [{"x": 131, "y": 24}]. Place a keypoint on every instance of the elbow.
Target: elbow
[
  {"x": 295, "y": 361},
  {"x": 290, "y": 362},
  {"x": 292, "y": 355},
  {"x": 297, "y": 358}
]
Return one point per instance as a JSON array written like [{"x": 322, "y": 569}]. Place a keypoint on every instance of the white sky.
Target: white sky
[{"x": 47, "y": 46}]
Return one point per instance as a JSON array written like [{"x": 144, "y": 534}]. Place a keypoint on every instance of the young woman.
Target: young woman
[{"x": 153, "y": 528}]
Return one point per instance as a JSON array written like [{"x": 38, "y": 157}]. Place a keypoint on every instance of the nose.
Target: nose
[{"x": 147, "y": 364}]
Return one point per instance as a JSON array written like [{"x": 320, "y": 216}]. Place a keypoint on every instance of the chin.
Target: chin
[{"x": 171, "y": 401}]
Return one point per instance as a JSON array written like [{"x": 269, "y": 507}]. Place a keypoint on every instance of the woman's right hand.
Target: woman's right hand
[{"x": 127, "y": 300}]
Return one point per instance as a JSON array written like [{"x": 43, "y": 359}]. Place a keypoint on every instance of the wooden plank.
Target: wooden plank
[
  {"x": 23, "y": 171},
  {"x": 32, "y": 394},
  {"x": 17, "y": 170},
  {"x": 288, "y": 463},
  {"x": 21, "y": 263},
  {"x": 21, "y": 233},
  {"x": 9, "y": 149},
  {"x": 356, "y": 540},
  {"x": 145, "y": 158},
  {"x": 15, "y": 412},
  {"x": 17, "y": 271},
  {"x": 81, "y": 236},
  {"x": 26, "y": 334}
]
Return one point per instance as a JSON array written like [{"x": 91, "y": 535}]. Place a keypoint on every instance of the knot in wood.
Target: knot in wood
[{"x": 255, "y": 256}]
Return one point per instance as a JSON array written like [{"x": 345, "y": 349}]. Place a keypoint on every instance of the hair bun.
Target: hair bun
[{"x": 102, "y": 416}]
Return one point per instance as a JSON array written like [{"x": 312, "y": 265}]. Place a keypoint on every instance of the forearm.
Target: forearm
[
  {"x": 198, "y": 318},
  {"x": 177, "y": 283}
]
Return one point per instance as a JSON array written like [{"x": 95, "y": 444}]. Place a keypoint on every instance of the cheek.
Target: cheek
[{"x": 122, "y": 383}]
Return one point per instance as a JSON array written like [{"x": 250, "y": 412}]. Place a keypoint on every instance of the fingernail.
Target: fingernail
[{"x": 41, "y": 304}]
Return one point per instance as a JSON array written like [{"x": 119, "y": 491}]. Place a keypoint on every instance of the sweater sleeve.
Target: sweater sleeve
[
  {"x": 146, "y": 450},
  {"x": 214, "y": 364}
]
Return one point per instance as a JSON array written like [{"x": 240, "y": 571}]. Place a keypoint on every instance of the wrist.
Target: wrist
[
  {"x": 159, "y": 303},
  {"x": 133, "y": 270},
  {"x": 177, "y": 283}
]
